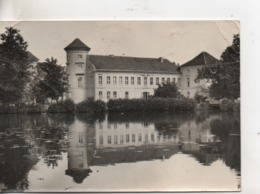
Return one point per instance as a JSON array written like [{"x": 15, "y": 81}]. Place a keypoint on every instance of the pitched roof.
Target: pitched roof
[
  {"x": 77, "y": 44},
  {"x": 203, "y": 58},
  {"x": 30, "y": 56},
  {"x": 132, "y": 64}
]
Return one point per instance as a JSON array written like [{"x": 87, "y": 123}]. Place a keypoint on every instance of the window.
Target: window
[
  {"x": 188, "y": 82},
  {"x": 109, "y": 139},
  {"x": 163, "y": 80},
  {"x": 127, "y": 125},
  {"x": 80, "y": 138},
  {"x": 145, "y": 80},
  {"x": 101, "y": 139},
  {"x": 188, "y": 94},
  {"x": 100, "y": 95},
  {"x": 108, "y": 80},
  {"x": 120, "y": 80},
  {"x": 100, "y": 80},
  {"x": 80, "y": 84},
  {"x": 114, "y": 80},
  {"x": 126, "y": 94},
  {"x": 121, "y": 139},
  {"x": 139, "y": 137},
  {"x": 115, "y": 139},
  {"x": 127, "y": 138},
  {"x": 146, "y": 124},
  {"x": 126, "y": 80},
  {"x": 179, "y": 79},
  {"x": 168, "y": 80},
  {"x": 188, "y": 71},
  {"x": 173, "y": 80},
  {"x": 114, "y": 95},
  {"x": 132, "y": 80},
  {"x": 157, "y": 81},
  {"x": 80, "y": 56},
  {"x": 133, "y": 137},
  {"x": 138, "y": 81},
  {"x": 108, "y": 95},
  {"x": 151, "y": 80},
  {"x": 152, "y": 137}
]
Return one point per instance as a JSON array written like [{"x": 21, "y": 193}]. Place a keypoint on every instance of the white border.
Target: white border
[{"x": 247, "y": 11}]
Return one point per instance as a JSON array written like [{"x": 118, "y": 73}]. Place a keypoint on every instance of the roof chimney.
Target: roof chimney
[{"x": 161, "y": 59}]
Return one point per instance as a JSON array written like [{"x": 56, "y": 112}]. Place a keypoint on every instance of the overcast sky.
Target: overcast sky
[{"x": 178, "y": 41}]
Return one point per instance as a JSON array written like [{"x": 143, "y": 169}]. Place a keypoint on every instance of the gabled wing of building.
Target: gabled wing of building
[{"x": 203, "y": 58}]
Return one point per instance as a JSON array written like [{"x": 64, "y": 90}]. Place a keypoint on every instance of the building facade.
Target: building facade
[{"x": 113, "y": 77}]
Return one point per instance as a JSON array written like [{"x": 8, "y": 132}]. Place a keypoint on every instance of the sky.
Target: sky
[{"x": 178, "y": 41}]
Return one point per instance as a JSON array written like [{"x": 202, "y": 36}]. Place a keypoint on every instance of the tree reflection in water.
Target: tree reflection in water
[{"x": 105, "y": 139}]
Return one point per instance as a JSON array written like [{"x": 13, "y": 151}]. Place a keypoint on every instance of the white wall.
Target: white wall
[{"x": 135, "y": 90}]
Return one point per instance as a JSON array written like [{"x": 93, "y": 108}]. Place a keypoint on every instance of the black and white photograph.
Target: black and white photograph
[{"x": 120, "y": 106}]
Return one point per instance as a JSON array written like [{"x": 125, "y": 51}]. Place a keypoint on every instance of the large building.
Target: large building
[{"x": 113, "y": 77}]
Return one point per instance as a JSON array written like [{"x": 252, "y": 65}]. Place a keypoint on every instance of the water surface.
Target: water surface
[{"x": 120, "y": 152}]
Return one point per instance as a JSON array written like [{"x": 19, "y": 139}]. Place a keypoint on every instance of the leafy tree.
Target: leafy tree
[
  {"x": 167, "y": 90},
  {"x": 224, "y": 75},
  {"x": 14, "y": 67},
  {"x": 54, "y": 83}
]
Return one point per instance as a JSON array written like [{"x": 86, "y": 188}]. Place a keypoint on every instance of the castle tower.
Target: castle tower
[
  {"x": 78, "y": 166},
  {"x": 77, "y": 56}
]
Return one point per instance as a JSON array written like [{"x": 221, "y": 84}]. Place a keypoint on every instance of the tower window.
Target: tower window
[
  {"x": 100, "y": 80},
  {"x": 188, "y": 82},
  {"x": 80, "y": 56},
  {"x": 80, "y": 82},
  {"x": 188, "y": 94}
]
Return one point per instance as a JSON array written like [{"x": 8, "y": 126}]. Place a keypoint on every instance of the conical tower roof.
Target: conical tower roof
[{"x": 77, "y": 44}]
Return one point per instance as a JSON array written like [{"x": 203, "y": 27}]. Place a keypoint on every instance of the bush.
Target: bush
[
  {"x": 152, "y": 104},
  {"x": 66, "y": 106},
  {"x": 226, "y": 105},
  {"x": 37, "y": 108},
  {"x": 90, "y": 105}
]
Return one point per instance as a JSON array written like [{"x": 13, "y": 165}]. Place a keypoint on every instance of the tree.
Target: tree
[
  {"x": 54, "y": 83},
  {"x": 224, "y": 75},
  {"x": 167, "y": 90},
  {"x": 14, "y": 67}
]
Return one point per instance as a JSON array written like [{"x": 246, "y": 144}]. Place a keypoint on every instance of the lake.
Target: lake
[{"x": 153, "y": 151}]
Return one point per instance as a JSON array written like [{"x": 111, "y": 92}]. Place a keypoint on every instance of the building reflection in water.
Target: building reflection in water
[
  {"x": 111, "y": 139},
  {"x": 78, "y": 166}
]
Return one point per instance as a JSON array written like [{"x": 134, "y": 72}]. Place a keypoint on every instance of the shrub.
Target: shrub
[
  {"x": 66, "y": 106},
  {"x": 226, "y": 105},
  {"x": 32, "y": 108},
  {"x": 152, "y": 104},
  {"x": 90, "y": 105}
]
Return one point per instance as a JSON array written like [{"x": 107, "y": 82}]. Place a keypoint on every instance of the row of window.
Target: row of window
[
  {"x": 114, "y": 95},
  {"x": 132, "y": 80},
  {"x": 121, "y": 138},
  {"x": 145, "y": 124}
]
